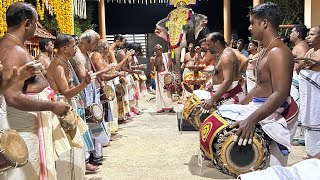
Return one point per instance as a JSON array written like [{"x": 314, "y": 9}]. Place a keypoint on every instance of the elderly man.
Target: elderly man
[
  {"x": 28, "y": 107},
  {"x": 81, "y": 64},
  {"x": 309, "y": 87},
  {"x": 163, "y": 65}
]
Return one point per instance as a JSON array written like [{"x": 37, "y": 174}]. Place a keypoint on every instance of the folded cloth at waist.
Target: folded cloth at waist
[
  {"x": 232, "y": 86},
  {"x": 275, "y": 126},
  {"x": 304, "y": 170}
]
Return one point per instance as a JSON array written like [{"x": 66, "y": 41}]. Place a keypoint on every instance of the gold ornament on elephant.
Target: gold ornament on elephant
[{"x": 183, "y": 3}]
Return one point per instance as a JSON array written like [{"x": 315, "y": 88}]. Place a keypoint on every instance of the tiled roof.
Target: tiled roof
[{"x": 41, "y": 32}]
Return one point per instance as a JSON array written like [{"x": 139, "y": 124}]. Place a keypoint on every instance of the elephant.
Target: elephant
[{"x": 195, "y": 26}]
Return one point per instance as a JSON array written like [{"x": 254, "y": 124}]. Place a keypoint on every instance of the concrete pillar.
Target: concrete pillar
[
  {"x": 311, "y": 13},
  {"x": 227, "y": 20},
  {"x": 102, "y": 19},
  {"x": 257, "y": 2}
]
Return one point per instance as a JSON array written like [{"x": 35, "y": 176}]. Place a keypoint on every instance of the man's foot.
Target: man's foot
[
  {"x": 91, "y": 167},
  {"x": 160, "y": 111}
]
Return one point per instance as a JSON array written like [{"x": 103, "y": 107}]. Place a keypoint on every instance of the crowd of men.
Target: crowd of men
[{"x": 76, "y": 77}]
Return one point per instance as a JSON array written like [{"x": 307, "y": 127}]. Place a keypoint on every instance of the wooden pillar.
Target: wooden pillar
[
  {"x": 102, "y": 19},
  {"x": 311, "y": 13},
  {"x": 257, "y": 2},
  {"x": 227, "y": 20}
]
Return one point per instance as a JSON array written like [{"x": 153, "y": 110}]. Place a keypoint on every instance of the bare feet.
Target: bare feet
[{"x": 91, "y": 168}]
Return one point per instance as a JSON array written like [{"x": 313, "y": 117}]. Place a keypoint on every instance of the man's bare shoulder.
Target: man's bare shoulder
[
  {"x": 13, "y": 55},
  {"x": 96, "y": 55}
]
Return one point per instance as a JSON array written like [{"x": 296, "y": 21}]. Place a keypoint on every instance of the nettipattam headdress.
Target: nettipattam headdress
[{"x": 175, "y": 3}]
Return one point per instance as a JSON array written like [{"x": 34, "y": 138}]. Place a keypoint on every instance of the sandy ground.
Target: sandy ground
[{"x": 150, "y": 147}]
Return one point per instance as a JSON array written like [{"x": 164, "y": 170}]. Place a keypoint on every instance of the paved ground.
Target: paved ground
[{"x": 150, "y": 147}]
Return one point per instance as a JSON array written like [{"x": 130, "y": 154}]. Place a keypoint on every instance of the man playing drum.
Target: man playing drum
[
  {"x": 226, "y": 69},
  {"x": 163, "y": 64},
  {"x": 25, "y": 96},
  {"x": 271, "y": 95}
]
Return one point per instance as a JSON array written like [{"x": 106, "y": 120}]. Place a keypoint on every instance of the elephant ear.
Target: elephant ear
[
  {"x": 161, "y": 30},
  {"x": 200, "y": 23}
]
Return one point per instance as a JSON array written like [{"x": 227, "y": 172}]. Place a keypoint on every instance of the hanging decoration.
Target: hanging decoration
[
  {"x": 150, "y": 1},
  {"x": 63, "y": 9}
]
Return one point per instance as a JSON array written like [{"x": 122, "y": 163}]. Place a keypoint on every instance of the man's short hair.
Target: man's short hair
[
  {"x": 216, "y": 36},
  {"x": 256, "y": 43},
  {"x": 302, "y": 30},
  {"x": 158, "y": 46},
  {"x": 118, "y": 37},
  {"x": 43, "y": 43},
  {"x": 269, "y": 11},
  {"x": 202, "y": 40},
  {"x": 19, "y": 12},
  {"x": 88, "y": 36},
  {"x": 135, "y": 46},
  {"x": 102, "y": 46},
  {"x": 62, "y": 40}
]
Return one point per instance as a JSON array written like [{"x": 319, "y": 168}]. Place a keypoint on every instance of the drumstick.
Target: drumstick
[{"x": 297, "y": 60}]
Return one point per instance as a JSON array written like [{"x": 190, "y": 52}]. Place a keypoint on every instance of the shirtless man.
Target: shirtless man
[
  {"x": 270, "y": 92},
  {"x": 253, "y": 49},
  {"x": 208, "y": 58},
  {"x": 44, "y": 57},
  {"x": 60, "y": 80},
  {"x": 59, "y": 74},
  {"x": 298, "y": 36},
  {"x": 226, "y": 68},
  {"x": 163, "y": 64},
  {"x": 21, "y": 20}
]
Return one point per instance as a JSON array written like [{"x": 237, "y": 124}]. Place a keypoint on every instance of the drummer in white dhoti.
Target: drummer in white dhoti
[
  {"x": 163, "y": 65},
  {"x": 226, "y": 71},
  {"x": 309, "y": 87},
  {"x": 268, "y": 99}
]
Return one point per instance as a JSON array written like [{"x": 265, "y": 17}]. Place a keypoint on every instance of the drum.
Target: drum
[
  {"x": 123, "y": 80},
  {"x": 216, "y": 141},
  {"x": 142, "y": 77},
  {"x": 135, "y": 77},
  {"x": 120, "y": 91},
  {"x": 13, "y": 150},
  {"x": 168, "y": 78},
  {"x": 70, "y": 120},
  {"x": 192, "y": 110},
  {"x": 109, "y": 92},
  {"x": 94, "y": 113}
]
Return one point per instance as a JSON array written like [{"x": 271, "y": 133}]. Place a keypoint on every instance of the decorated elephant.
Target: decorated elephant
[{"x": 181, "y": 27}]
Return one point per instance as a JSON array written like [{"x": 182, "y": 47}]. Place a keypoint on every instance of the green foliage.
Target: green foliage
[
  {"x": 80, "y": 25},
  {"x": 50, "y": 22},
  {"x": 292, "y": 12}
]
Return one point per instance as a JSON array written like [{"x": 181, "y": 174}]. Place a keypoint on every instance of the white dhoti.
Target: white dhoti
[
  {"x": 274, "y": 126},
  {"x": 163, "y": 97},
  {"x": 250, "y": 80},
  {"x": 114, "y": 107},
  {"x": 309, "y": 87},
  {"x": 304, "y": 170},
  {"x": 45, "y": 141}
]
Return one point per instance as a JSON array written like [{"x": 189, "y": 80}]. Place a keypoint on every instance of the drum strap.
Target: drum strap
[{"x": 77, "y": 82}]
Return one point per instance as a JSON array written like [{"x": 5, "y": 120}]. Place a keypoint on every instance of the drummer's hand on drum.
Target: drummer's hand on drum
[
  {"x": 208, "y": 104},
  {"x": 137, "y": 71},
  {"x": 122, "y": 73},
  {"x": 245, "y": 131},
  {"x": 60, "y": 108}
]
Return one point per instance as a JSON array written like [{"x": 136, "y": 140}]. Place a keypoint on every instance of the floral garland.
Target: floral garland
[{"x": 63, "y": 10}]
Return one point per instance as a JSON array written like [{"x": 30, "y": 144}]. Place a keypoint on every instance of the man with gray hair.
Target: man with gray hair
[{"x": 89, "y": 40}]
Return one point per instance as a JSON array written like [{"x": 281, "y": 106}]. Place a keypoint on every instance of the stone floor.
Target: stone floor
[{"x": 150, "y": 147}]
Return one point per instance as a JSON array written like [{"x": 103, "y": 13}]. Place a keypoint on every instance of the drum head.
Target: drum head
[
  {"x": 97, "y": 112},
  {"x": 168, "y": 79},
  {"x": 14, "y": 148},
  {"x": 235, "y": 160},
  {"x": 109, "y": 92}
]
